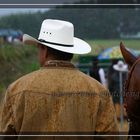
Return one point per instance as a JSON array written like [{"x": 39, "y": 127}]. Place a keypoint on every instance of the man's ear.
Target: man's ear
[
  {"x": 43, "y": 54},
  {"x": 127, "y": 55},
  {"x": 44, "y": 51}
]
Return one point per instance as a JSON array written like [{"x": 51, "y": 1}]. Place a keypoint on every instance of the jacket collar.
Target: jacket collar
[{"x": 58, "y": 63}]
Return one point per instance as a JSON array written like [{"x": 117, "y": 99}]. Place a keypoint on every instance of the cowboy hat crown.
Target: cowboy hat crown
[
  {"x": 120, "y": 66},
  {"x": 59, "y": 35},
  {"x": 57, "y": 32}
]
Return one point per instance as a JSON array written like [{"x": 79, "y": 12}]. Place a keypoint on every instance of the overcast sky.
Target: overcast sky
[{"x": 8, "y": 11}]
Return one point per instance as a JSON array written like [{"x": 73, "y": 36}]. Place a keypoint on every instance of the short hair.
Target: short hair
[{"x": 59, "y": 55}]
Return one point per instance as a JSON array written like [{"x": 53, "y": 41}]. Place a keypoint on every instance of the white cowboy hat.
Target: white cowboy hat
[
  {"x": 120, "y": 66},
  {"x": 59, "y": 35}
]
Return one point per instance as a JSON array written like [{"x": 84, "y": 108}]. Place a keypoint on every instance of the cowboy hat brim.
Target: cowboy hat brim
[
  {"x": 122, "y": 69},
  {"x": 79, "y": 47}
]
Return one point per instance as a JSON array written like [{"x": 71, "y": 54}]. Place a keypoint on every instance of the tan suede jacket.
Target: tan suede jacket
[{"x": 57, "y": 99}]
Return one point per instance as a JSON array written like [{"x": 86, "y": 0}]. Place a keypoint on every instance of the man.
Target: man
[
  {"x": 58, "y": 97},
  {"x": 97, "y": 72}
]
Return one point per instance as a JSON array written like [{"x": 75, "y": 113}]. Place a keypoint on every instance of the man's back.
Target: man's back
[{"x": 58, "y": 98}]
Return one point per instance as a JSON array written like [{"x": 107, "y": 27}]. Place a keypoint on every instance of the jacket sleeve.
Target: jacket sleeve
[
  {"x": 106, "y": 118},
  {"x": 6, "y": 118}
]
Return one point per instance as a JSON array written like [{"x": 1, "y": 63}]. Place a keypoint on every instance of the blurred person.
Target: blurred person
[
  {"x": 113, "y": 81},
  {"x": 97, "y": 72},
  {"x": 57, "y": 97}
]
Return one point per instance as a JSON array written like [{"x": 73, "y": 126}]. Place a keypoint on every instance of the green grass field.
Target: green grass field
[
  {"x": 16, "y": 61},
  {"x": 99, "y": 45}
]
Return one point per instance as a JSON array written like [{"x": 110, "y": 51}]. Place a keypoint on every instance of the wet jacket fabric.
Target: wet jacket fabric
[{"x": 57, "y": 99}]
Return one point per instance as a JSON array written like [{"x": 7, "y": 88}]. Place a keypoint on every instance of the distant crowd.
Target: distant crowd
[{"x": 10, "y": 36}]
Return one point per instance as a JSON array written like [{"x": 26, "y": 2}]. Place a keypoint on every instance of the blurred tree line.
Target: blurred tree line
[{"x": 90, "y": 23}]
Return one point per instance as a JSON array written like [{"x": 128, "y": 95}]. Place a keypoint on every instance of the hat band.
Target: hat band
[{"x": 41, "y": 40}]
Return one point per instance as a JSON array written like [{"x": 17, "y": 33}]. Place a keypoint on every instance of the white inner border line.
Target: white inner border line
[
  {"x": 69, "y": 4},
  {"x": 66, "y": 135}
]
